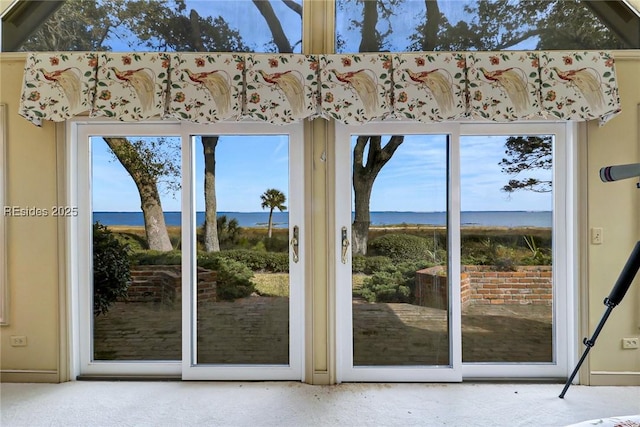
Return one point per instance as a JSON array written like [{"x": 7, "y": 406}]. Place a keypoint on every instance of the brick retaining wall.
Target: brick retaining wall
[
  {"x": 163, "y": 284},
  {"x": 483, "y": 285}
]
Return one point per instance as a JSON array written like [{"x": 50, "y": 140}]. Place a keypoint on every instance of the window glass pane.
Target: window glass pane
[
  {"x": 136, "y": 252},
  {"x": 243, "y": 271},
  {"x": 399, "y": 242},
  {"x": 507, "y": 288},
  {"x": 454, "y": 25},
  {"x": 158, "y": 25}
]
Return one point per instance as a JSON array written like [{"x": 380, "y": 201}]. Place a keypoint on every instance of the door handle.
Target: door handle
[
  {"x": 295, "y": 244},
  {"x": 345, "y": 245}
]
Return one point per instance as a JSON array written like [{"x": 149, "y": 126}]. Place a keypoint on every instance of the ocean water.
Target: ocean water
[{"x": 281, "y": 219}]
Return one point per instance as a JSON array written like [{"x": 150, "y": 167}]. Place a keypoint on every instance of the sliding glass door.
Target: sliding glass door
[
  {"x": 452, "y": 243},
  {"x": 189, "y": 250},
  {"x": 127, "y": 225},
  {"x": 516, "y": 246},
  {"x": 397, "y": 309},
  {"x": 243, "y": 290}
]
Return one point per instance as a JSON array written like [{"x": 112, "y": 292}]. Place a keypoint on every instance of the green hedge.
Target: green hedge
[
  {"x": 233, "y": 279},
  {"x": 386, "y": 286},
  {"x": 402, "y": 247},
  {"x": 371, "y": 264},
  {"x": 149, "y": 257},
  {"x": 111, "y": 269},
  {"x": 393, "y": 284},
  {"x": 276, "y": 262}
]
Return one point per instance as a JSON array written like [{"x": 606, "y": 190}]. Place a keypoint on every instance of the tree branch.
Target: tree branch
[
  {"x": 512, "y": 42},
  {"x": 297, "y": 8},
  {"x": 279, "y": 37}
]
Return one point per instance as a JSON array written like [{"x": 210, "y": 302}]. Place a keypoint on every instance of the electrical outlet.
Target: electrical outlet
[
  {"x": 18, "y": 341},
  {"x": 596, "y": 236},
  {"x": 630, "y": 342}
]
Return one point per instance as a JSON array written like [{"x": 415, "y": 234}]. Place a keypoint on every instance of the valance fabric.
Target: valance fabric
[{"x": 353, "y": 89}]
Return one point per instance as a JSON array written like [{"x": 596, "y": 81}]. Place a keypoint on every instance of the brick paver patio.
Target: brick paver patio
[{"x": 254, "y": 330}]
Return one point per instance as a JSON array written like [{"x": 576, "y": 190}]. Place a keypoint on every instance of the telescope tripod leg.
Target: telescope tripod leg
[{"x": 589, "y": 343}]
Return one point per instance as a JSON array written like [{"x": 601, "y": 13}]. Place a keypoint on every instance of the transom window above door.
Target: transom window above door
[{"x": 269, "y": 26}]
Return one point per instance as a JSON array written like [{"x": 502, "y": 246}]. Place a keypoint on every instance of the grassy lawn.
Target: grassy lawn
[
  {"x": 277, "y": 284},
  {"x": 272, "y": 284}
]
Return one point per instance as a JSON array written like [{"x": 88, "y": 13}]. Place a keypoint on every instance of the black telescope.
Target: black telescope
[
  {"x": 616, "y": 173},
  {"x": 615, "y": 297}
]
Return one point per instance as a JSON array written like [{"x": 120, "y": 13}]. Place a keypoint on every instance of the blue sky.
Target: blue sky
[
  {"x": 413, "y": 180},
  {"x": 243, "y": 16}
]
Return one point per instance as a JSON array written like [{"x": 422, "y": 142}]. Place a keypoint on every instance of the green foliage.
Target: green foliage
[
  {"x": 157, "y": 158},
  {"x": 524, "y": 155},
  {"x": 228, "y": 231},
  {"x": 500, "y": 256},
  {"x": 150, "y": 257},
  {"x": 135, "y": 241},
  {"x": 502, "y": 24},
  {"x": 386, "y": 286},
  {"x": 358, "y": 263},
  {"x": 506, "y": 250},
  {"x": 401, "y": 247},
  {"x": 233, "y": 279},
  {"x": 273, "y": 199},
  {"x": 276, "y": 244},
  {"x": 539, "y": 256},
  {"x": 378, "y": 263},
  {"x": 157, "y": 25},
  {"x": 275, "y": 262},
  {"x": 111, "y": 271},
  {"x": 392, "y": 282}
]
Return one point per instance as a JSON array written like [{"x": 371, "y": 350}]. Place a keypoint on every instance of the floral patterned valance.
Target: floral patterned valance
[{"x": 355, "y": 88}]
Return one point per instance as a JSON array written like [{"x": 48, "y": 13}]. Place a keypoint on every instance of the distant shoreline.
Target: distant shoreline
[{"x": 379, "y": 219}]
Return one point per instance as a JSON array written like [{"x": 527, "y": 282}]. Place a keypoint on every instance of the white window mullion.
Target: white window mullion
[
  {"x": 189, "y": 303},
  {"x": 453, "y": 230}
]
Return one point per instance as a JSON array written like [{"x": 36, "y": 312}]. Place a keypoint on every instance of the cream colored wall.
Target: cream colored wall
[
  {"x": 35, "y": 264},
  {"x": 4, "y": 4},
  {"x": 615, "y": 207},
  {"x": 31, "y": 242}
]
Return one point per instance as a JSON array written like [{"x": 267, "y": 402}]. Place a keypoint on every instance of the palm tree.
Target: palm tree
[{"x": 273, "y": 199}]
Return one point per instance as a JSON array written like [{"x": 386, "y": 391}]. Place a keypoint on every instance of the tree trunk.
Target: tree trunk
[
  {"x": 370, "y": 41},
  {"x": 432, "y": 25},
  {"x": 364, "y": 175},
  {"x": 269, "y": 230},
  {"x": 154, "y": 225},
  {"x": 211, "y": 240},
  {"x": 209, "y": 143},
  {"x": 362, "y": 186}
]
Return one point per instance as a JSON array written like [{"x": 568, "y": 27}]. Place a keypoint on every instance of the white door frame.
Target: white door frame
[
  {"x": 80, "y": 252},
  {"x": 564, "y": 238},
  {"x": 191, "y": 370},
  {"x": 80, "y": 256},
  {"x": 346, "y": 371},
  {"x": 565, "y": 231}
]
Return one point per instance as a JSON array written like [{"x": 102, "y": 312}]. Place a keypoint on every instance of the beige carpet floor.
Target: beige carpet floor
[{"x": 106, "y": 403}]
